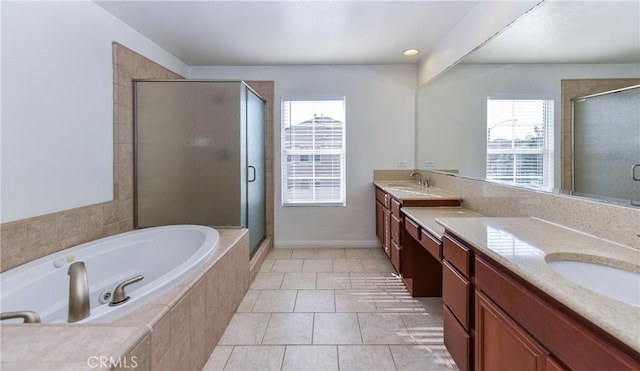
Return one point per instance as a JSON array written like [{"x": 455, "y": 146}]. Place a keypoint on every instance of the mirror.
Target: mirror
[{"x": 559, "y": 51}]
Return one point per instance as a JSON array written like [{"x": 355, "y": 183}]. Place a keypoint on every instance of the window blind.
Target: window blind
[
  {"x": 520, "y": 142},
  {"x": 313, "y": 152}
]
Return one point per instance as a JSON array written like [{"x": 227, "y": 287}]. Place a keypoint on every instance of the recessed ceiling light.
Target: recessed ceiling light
[{"x": 410, "y": 52}]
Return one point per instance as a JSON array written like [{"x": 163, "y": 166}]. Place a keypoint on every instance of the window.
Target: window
[
  {"x": 313, "y": 152},
  {"x": 520, "y": 142}
]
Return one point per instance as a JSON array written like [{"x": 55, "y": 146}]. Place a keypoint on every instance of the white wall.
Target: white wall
[
  {"x": 380, "y": 103},
  {"x": 57, "y": 104},
  {"x": 452, "y": 109}
]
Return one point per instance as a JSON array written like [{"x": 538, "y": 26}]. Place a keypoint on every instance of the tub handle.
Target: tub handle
[
  {"x": 119, "y": 296},
  {"x": 28, "y": 316}
]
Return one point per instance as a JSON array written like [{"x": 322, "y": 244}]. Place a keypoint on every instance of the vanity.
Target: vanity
[
  {"x": 518, "y": 292},
  {"x": 391, "y": 197},
  {"x": 507, "y": 305}
]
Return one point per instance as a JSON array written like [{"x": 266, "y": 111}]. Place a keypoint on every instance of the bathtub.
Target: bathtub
[{"x": 163, "y": 255}]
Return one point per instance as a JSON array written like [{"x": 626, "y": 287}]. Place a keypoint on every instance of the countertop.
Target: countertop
[
  {"x": 523, "y": 245},
  {"x": 410, "y": 190},
  {"x": 426, "y": 217}
]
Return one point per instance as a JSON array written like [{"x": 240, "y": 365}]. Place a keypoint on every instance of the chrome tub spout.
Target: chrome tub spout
[
  {"x": 28, "y": 316},
  {"x": 79, "y": 307}
]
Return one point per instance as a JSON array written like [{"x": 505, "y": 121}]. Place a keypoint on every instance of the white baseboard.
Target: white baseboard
[{"x": 369, "y": 244}]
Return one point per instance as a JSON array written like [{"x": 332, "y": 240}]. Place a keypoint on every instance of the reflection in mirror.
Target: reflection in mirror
[
  {"x": 606, "y": 145},
  {"x": 563, "y": 50}
]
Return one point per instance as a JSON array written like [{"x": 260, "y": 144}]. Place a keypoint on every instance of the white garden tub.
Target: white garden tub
[{"x": 163, "y": 255}]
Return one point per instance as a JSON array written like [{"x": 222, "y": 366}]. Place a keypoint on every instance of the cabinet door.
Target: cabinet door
[
  {"x": 500, "y": 344},
  {"x": 386, "y": 231},
  {"x": 380, "y": 221}
]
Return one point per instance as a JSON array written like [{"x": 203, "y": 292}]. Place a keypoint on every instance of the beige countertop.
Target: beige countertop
[
  {"x": 410, "y": 190},
  {"x": 426, "y": 217},
  {"x": 523, "y": 245}
]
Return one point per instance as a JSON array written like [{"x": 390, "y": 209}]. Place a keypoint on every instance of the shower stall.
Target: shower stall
[{"x": 199, "y": 155}]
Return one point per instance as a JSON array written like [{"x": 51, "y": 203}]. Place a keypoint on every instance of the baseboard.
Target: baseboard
[{"x": 369, "y": 244}]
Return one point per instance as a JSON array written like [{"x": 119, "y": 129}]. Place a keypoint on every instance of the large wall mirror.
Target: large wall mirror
[{"x": 506, "y": 112}]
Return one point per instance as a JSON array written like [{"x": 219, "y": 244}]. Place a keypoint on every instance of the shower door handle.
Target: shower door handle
[
  {"x": 635, "y": 175},
  {"x": 253, "y": 178}
]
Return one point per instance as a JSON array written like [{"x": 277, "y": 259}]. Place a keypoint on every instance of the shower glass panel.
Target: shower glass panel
[
  {"x": 191, "y": 153},
  {"x": 255, "y": 169},
  {"x": 606, "y": 140}
]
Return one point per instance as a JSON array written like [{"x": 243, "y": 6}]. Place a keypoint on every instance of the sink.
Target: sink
[
  {"x": 402, "y": 185},
  {"x": 615, "y": 283}
]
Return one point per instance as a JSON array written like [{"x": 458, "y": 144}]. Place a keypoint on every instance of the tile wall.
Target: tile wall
[{"x": 31, "y": 238}]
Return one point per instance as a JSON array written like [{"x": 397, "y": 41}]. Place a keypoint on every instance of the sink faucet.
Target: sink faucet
[
  {"x": 79, "y": 307},
  {"x": 422, "y": 181}
]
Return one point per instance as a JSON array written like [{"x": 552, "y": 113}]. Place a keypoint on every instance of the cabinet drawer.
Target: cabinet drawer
[
  {"x": 458, "y": 255},
  {"x": 396, "y": 254},
  {"x": 456, "y": 294},
  {"x": 457, "y": 340},
  {"x": 395, "y": 207},
  {"x": 412, "y": 228},
  {"x": 431, "y": 244},
  {"x": 383, "y": 197},
  {"x": 396, "y": 228}
]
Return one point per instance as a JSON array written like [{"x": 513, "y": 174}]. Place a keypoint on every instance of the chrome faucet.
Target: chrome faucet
[
  {"x": 28, "y": 316},
  {"x": 422, "y": 181},
  {"x": 119, "y": 296},
  {"x": 79, "y": 307}
]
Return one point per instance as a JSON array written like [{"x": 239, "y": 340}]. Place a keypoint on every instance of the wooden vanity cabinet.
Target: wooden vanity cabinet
[
  {"x": 421, "y": 269},
  {"x": 457, "y": 291},
  {"x": 383, "y": 220},
  {"x": 390, "y": 222},
  {"x": 508, "y": 324}
]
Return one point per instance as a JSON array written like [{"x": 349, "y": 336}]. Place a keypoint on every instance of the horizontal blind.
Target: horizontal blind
[
  {"x": 313, "y": 151},
  {"x": 520, "y": 142}
]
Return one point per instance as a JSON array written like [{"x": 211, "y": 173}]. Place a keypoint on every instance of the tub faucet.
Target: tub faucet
[
  {"x": 28, "y": 316},
  {"x": 422, "y": 181},
  {"x": 119, "y": 296},
  {"x": 79, "y": 307}
]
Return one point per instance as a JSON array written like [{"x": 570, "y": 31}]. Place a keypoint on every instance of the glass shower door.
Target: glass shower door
[{"x": 255, "y": 169}]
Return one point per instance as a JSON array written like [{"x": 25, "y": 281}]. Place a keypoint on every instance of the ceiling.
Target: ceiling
[
  {"x": 560, "y": 31},
  {"x": 292, "y": 32},
  {"x": 281, "y": 32}
]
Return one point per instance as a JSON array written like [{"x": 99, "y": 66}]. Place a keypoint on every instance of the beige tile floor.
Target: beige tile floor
[{"x": 331, "y": 309}]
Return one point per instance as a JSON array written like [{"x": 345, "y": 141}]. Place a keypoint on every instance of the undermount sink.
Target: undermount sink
[
  {"x": 401, "y": 185},
  {"x": 615, "y": 283}
]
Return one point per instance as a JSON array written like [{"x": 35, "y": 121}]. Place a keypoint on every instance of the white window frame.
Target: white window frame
[
  {"x": 312, "y": 153},
  {"x": 547, "y": 151}
]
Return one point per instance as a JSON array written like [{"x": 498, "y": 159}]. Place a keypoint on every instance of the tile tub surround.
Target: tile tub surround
[
  {"x": 176, "y": 331},
  {"x": 330, "y": 309},
  {"x": 612, "y": 222},
  {"x": 32, "y": 238},
  {"x": 523, "y": 245}
]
